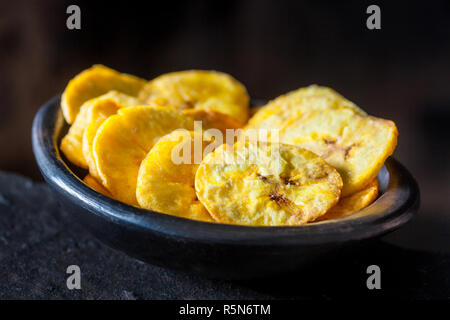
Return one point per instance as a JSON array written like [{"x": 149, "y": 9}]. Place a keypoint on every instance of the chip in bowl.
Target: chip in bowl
[
  {"x": 266, "y": 184},
  {"x": 355, "y": 144},
  {"x": 123, "y": 141},
  {"x": 94, "y": 82},
  {"x": 199, "y": 89},
  {"x": 166, "y": 176}
]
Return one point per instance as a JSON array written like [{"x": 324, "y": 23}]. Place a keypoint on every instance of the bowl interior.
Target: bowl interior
[
  {"x": 397, "y": 201},
  {"x": 63, "y": 127}
]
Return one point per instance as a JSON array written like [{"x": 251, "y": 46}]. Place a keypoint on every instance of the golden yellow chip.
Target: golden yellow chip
[
  {"x": 266, "y": 184},
  {"x": 72, "y": 143},
  {"x": 288, "y": 106},
  {"x": 123, "y": 141},
  {"x": 197, "y": 89},
  {"x": 97, "y": 113},
  {"x": 166, "y": 176},
  {"x": 355, "y": 144},
  {"x": 353, "y": 203},
  {"x": 94, "y": 184},
  {"x": 94, "y": 82}
]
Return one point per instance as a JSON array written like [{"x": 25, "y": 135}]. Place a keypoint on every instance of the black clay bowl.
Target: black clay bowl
[{"x": 214, "y": 250}]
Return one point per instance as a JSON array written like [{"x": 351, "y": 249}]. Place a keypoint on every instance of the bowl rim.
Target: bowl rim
[{"x": 399, "y": 202}]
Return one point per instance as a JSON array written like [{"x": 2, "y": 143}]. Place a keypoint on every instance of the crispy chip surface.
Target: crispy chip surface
[
  {"x": 94, "y": 184},
  {"x": 166, "y": 176},
  {"x": 287, "y": 106},
  {"x": 72, "y": 142},
  {"x": 198, "y": 89},
  {"x": 355, "y": 144},
  {"x": 94, "y": 82},
  {"x": 123, "y": 141},
  {"x": 97, "y": 113},
  {"x": 353, "y": 203},
  {"x": 265, "y": 184}
]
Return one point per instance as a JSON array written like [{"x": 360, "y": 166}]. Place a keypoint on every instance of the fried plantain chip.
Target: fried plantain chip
[
  {"x": 72, "y": 143},
  {"x": 355, "y": 144},
  {"x": 198, "y": 89},
  {"x": 94, "y": 82},
  {"x": 288, "y": 105},
  {"x": 166, "y": 177},
  {"x": 96, "y": 115},
  {"x": 266, "y": 184},
  {"x": 123, "y": 141},
  {"x": 353, "y": 203},
  {"x": 95, "y": 185}
]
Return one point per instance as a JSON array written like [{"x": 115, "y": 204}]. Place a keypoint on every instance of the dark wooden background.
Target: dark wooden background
[{"x": 401, "y": 72}]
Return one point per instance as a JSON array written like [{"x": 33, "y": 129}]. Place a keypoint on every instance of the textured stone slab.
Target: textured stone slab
[{"x": 38, "y": 240}]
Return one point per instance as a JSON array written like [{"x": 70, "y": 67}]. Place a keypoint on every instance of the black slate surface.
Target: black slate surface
[{"x": 38, "y": 241}]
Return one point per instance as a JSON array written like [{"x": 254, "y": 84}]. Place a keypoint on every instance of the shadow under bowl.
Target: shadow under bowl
[{"x": 214, "y": 250}]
